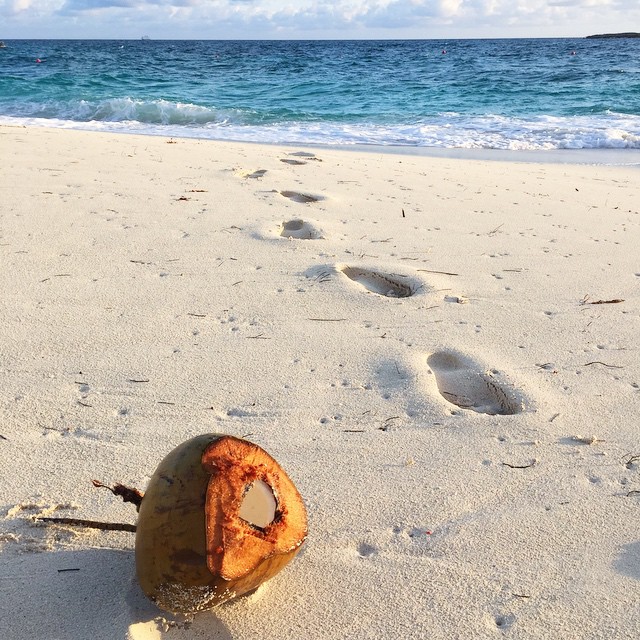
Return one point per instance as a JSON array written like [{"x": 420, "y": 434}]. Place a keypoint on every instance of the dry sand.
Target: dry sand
[{"x": 468, "y": 446}]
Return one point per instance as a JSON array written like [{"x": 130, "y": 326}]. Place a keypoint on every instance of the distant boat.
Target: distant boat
[
  {"x": 2, "y": 45},
  {"x": 145, "y": 38}
]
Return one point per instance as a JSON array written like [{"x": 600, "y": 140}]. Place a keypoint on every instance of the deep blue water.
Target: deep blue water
[{"x": 505, "y": 94}]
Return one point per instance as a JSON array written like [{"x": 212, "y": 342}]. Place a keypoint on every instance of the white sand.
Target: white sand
[{"x": 136, "y": 258}]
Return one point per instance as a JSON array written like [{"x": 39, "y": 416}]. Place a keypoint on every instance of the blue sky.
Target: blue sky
[{"x": 314, "y": 19}]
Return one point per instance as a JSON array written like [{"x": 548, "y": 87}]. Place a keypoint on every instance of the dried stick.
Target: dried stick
[
  {"x": 90, "y": 524},
  {"x": 519, "y": 466},
  {"x": 128, "y": 494}
]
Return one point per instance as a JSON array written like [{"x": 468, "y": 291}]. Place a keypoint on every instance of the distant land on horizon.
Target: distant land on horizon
[{"x": 629, "y": 34}]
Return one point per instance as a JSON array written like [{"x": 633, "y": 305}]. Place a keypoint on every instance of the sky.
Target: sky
[{"x": 314, "y": 19}]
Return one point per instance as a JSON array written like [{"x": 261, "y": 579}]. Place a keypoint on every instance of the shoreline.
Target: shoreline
[
  {"x": 604, "y": 157},
  {"x": 441, "y": 353}
]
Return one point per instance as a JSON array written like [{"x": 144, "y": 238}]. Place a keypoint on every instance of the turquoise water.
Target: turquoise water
[{"x": 474, "y": 94}]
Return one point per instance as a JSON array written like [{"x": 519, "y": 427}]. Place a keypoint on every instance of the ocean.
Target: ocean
[{"x": 522, "y": 94}]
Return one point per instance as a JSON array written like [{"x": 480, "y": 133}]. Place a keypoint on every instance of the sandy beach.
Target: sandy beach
[{"x": 443, "y": 354}]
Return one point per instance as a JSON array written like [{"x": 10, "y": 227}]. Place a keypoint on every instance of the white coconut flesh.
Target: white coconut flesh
[{"x": 258, "y": 506}]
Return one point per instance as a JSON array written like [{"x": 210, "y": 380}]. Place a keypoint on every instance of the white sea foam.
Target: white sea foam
[{"x": 445, "y": 131}]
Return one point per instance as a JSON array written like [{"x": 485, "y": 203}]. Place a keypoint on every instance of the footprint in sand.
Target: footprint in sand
[
  {"x": 296, "y": 196},
  {"x": 460, "y": 382},
  {"x": 305, "y": 154},
  {"x": 258, "y": 173},
  {"x": 391, "y": 286},
  {"x": 300, "y": 230},
  {"x": 292, "y": 161},
  {"x": 366, "y": 550}
]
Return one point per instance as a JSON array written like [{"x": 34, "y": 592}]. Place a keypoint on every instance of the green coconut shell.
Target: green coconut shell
[{"x": 193, "y": 550}]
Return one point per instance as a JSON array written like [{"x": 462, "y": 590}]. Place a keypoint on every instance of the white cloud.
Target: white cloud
[
  {"x": 31, "y": 7},
  {"x": 318, "y": 18}
]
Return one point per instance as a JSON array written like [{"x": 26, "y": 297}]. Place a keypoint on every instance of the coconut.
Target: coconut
[{"x": 219, "y": 517}]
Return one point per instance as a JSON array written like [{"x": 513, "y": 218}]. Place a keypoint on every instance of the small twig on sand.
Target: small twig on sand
[
  {"x": 519, "y": 466},
  {"x": 630, "y": 459},
  {"x": 90, "y": 524},
  {"x": 585, "y": 300},
  {"x": 604, "y": 364},
  {"x": 128, "y": 494},
  {"x": 386, "y": 426},
  {"x": 616, "y": 301},
  {"x": 444, "y": 273}
]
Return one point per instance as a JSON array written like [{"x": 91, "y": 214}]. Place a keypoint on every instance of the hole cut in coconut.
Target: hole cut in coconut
[{"x": 259, "y": 505}]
